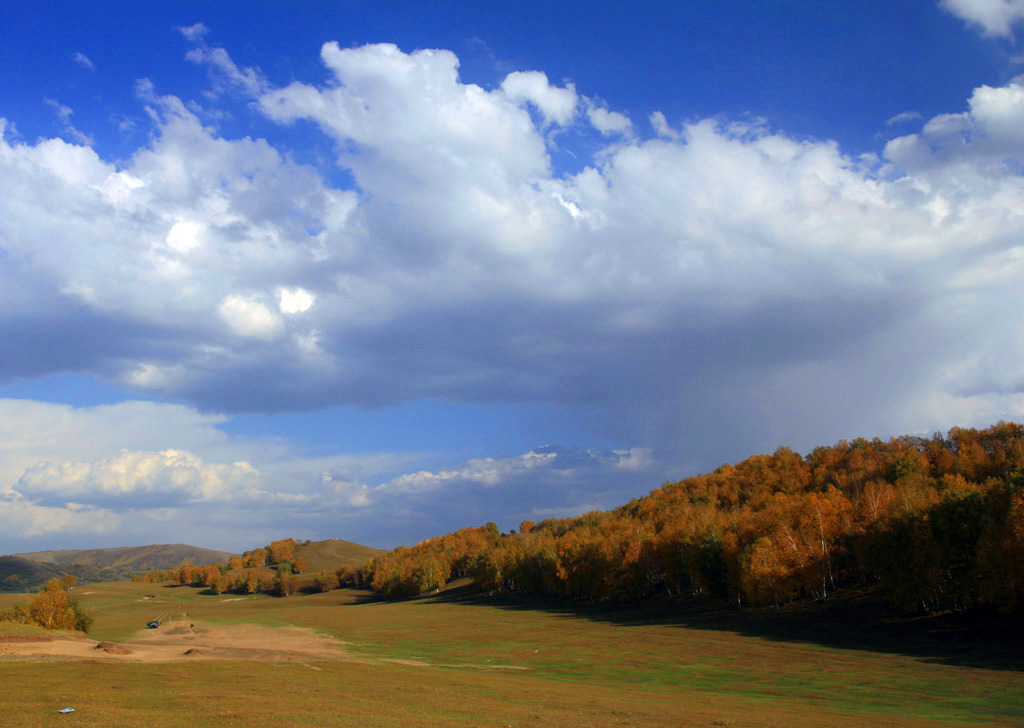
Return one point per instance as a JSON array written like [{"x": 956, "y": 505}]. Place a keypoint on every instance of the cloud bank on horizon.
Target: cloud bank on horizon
[{"x": 690, "y": 282}]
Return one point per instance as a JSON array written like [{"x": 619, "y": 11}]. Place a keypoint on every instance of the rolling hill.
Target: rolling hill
[
  {"x": 29, "y": 571},
  {"x": 334, "y": 553},
  {"x": 135, "y": 558},
  {"x": 20, "y": 574}
]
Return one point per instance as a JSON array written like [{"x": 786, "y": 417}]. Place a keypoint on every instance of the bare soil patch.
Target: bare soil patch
[
  {"x": 205, "y": 641},
  {"x": 113, "y": 648}
]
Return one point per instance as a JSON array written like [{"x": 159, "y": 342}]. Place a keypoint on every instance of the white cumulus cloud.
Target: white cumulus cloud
[
  {"x": 184, "y": 236},
  {"x": 248, "y": 317},
  {"x": 64, "y": 114},
  {"x": 132, "y": 477},
  {"x": 294, "y": 300},
  {"x": 555, "y": 104},
  {"x": 194, "y": 33},
  {"x": 661, "y": 126},
  {"x": 994, "y": 17},
  {"x": 144, "y": 472},
  {"x": 225, "y": 73},
  {"x": 713, "y": 281},
  {"x": 609, "y": 122},
  {"x": 903, "y": 117}
]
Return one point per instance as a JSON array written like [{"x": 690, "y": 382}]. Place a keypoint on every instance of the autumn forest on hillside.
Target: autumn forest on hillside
[{"x": 935, "y": 523}]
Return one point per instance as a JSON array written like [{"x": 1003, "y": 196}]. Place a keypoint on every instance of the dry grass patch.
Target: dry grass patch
[{"x": 210, "y": 641}]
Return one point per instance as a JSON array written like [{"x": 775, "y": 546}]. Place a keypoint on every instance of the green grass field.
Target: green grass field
[
  {"x": 459, "y": 660},
  {"x": 332, "y": 553}
]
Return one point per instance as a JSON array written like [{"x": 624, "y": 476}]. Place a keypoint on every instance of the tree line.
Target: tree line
[
  {"x": 937, "y": 523},
  {"x": 242, "y": 574}
]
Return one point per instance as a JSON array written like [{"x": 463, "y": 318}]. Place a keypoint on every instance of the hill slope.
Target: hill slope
[
  {"x": 936, "y": 523},
  {"x": 134, "y": 558},
  {"x": 29, "y": 571},
  {"x": 20, "y": 574},
  {"x": 334, "y": 553}
]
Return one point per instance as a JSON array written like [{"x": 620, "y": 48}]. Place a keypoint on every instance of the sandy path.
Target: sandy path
[
  {"x": 186, "y": 640},
  {"x": 203, "y": 641}
]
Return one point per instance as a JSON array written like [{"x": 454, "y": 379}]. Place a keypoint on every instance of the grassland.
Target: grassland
[
  {"x": 330, "y": 554},
  {"x": 457, "y": 660}
]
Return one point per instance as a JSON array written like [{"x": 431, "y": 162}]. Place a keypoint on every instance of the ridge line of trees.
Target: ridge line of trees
[
  {"x": 247, "y": 577},
  {"x": 937, "y": 523}
]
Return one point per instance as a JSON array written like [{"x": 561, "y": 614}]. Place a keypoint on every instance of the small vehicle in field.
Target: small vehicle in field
[{"x": 154, "y": 624}]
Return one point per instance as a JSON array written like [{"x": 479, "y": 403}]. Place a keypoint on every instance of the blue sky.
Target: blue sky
[{"x": 378, "y": 270}]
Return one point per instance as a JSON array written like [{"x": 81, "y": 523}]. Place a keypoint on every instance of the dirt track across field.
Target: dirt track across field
[{"x": 185, "y": 641}]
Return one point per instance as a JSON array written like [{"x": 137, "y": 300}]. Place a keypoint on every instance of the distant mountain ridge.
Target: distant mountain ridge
[
  {"x": 18, "y": 574},
  {"x": 26, "y": 572},
  {"x": 29, "y": 571},
  {"x": 135, "y": 558}
]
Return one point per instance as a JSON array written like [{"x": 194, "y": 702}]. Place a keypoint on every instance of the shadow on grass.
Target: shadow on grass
[
  {"x": 366, "y": 597},
  {"x": 860, "y": 620}
]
